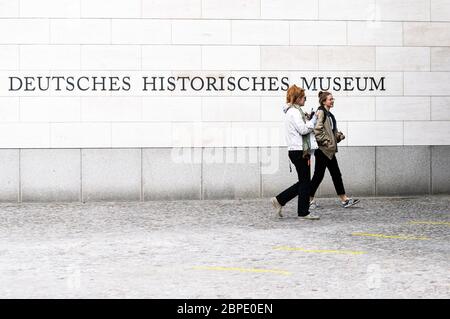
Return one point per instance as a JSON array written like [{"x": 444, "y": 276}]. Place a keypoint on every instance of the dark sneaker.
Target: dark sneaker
[
  {"x": 310, "y": 216},
  {"x": 350, "y": 202}
]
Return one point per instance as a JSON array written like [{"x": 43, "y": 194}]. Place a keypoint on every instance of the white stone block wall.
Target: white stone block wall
[{"x": 408, "y": 41}]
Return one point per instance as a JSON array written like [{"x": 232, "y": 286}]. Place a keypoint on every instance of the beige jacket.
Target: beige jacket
[{"x": 326, "y": 139}]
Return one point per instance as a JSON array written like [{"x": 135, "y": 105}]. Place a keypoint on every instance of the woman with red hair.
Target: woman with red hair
[{"x": 301, "y": 144}]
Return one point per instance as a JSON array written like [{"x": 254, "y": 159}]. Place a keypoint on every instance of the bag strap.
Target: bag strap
[
  {"x": 328, "y": 114},
  {"x": 325, "y": 112}
]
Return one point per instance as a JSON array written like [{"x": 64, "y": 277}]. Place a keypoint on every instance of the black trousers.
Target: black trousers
[
  {"x": 302, "y": 187},
  {"x": 322, "y": 163}
]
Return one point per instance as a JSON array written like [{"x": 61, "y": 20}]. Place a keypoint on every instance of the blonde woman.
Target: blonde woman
[
  {"x": 301, "y": 144},
  {"x": 328, "y": 136}
]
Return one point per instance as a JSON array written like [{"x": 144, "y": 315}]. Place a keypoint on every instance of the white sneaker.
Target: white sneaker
[
  {"x": 310, "y": 216},
  {"x": 313, "y": 204},
  {"x": 277, "y": 206}
]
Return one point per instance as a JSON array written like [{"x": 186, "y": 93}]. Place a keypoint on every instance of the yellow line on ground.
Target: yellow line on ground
[
  {"x": 429, "y": 223},
  {"x": 390, "y": 236},
  {"x": 255, "y": 270},
  {"x": 320, "y": 251}
]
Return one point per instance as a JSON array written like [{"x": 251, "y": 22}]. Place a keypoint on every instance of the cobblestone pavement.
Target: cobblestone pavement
[{"x": 386, "y": 247}]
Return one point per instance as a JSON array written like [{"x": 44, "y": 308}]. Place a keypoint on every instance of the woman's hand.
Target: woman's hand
[
  {"x": 309, "y": 116},
  {"x": 340, "y": 136},
  {"x": 325, "y": 143}
]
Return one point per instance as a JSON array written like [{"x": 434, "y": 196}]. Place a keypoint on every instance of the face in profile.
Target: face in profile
[
  {"x": 301, "y": 101},
  {"x": 329, "y": 102}
]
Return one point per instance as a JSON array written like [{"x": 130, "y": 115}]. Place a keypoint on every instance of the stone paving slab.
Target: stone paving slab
[{"x": 384, "y": 248}]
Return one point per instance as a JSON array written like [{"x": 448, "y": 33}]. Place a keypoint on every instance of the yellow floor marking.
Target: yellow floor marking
[
  {"x": 390, "y": 236},
  {"x": 321, "y": 251},
  {"x": 429, "y": 223},
  {"x": 256, "y": 270}
]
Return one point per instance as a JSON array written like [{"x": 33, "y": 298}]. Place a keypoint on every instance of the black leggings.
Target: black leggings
[
  {"x": 323, "y": 162},
  {"x": 302, "y": 187}
]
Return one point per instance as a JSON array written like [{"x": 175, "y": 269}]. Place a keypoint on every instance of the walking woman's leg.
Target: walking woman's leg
[
  {"x": 304, "y": 185},
  {"x": 301, "y": 188},
  {"x": 336, "y": 176},
  {"x": 288, "y": 194},
  {"x": 285, "y": 196},
  {"x": 319, "y": 172}
]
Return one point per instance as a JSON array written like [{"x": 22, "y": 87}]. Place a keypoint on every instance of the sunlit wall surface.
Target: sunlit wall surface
[{"x": 59, "y": 145}]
